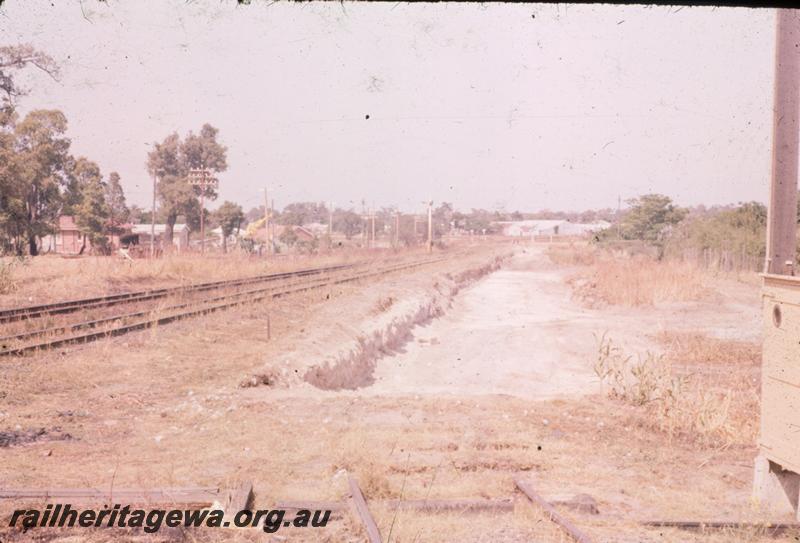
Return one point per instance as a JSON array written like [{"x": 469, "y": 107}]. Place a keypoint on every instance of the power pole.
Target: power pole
[
  {"x": 372, "y": 218},
  {"x": 397, "y": 229},
  {"x": 782, "y": 213},
  {"x": 363, "y": 223},
  {"x": 268, "y": 245},
  {"x": 153, "y": 221},
  {"x": 272, "y": 226},
  {"x": 202, "y": 178},
  {"x": 619, "y": 209},
  {"x": 430, "y": 226}
]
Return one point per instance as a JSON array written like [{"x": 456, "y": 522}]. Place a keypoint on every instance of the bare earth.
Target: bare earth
[{"x": 519, "y": 332}]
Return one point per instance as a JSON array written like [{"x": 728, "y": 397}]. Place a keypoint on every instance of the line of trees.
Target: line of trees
[
  {"x": 737, "y": 232},
  {"x": 39, "y": 177},
  {"x": 352, "y": 224}
]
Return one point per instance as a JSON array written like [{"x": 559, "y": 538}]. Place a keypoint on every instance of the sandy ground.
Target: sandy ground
[
  {"x": 519, "y": 332},
  {"x": 515, "y": 332}
]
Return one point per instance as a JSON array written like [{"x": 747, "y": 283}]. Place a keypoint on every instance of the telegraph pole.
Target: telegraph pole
[
  {"x": 202, "y": 178},
  {"x": 430, "y": 226},
  {"x": 364, "y": 239},
  {"x": 372, "y": 218},
  {"x": 782, "y": 213},
  {"x": 268, "y": 245},
  {"x": 153, "y": 222},
  {"x": 272, "y": 227},
  {"x": 397, "y": 229}
]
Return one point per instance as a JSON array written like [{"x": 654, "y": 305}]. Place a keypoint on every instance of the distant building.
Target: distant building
[
  {"x": 180, "y": 235},
  {"x": 317, "y": 228},
  {"x": 549, "y": 227},
  {"x": 258, "y": 235},
  {"x": 535, "y": 227},
  {"x": 69, "y": 240},
  {"x": 583, "y": 229}
]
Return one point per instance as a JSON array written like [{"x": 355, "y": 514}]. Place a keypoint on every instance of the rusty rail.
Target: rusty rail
[
  {"x": 197, "y": 309},
  {"x": 573, "y": 531}
]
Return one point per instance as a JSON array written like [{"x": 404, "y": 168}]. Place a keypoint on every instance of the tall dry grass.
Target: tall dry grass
[
  {"x": 639, "y": 281},
  {"x": 618, "y": 278},
  {"x": 712, "y": 410},
  {"x": 696, "y": 348}
]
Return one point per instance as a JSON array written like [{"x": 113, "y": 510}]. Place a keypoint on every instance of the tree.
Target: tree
[
  {"x": 25, "y": 208},
  {"x": 118, "y": 212},
  {"x": 171, "y": 160},
  {"x": 441, "y": 217},
  {"x": 203, "y": 151},
  {"x": 91, "y": 215},
  {"x": 13, "y": 215},
  {"x": 85, "y": 199},
  {"x": 288, "y": 236},
  {"x": 407, "y": 236},
  {"x": 17, "y": 57},
  {"x": 174, "y": 192},
  {"x": 79, "y": 172},
  {"x": 137, "y": 215},
  {"x": 229, "y": 216},
  {"x": 347, "y": 222},
  {"x": 649, "y": 217},
  {"x": 40, "y": 160},
  {"x": 732, "y": 232},
  {"x": 255, "y": 214},
  {"x": 300, "y": 213}
]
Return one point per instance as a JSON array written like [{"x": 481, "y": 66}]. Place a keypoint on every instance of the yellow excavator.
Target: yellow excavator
[{"x": 253, "y": 227}]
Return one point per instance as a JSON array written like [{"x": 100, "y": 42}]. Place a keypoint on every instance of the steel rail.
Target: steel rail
[
  {"x": 71, "y": 306},
  {"x": 72, "y": 327},
  {"x": 164, "y": 319},
  {"x": 573, "y": 531}
]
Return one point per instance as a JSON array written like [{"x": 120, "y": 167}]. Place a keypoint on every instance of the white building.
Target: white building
[
  {"x": 180, "y": 234},
  {"x": 550, "y": 227}
]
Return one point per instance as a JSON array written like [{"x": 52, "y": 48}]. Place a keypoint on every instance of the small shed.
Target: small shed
[
  {"x": 180, "y": 235},
  {"x": 68, "y": 239}
]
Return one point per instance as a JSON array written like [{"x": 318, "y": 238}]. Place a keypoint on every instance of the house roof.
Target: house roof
[{"x": 67, "y": 222}]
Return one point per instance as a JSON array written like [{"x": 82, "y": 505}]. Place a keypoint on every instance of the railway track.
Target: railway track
[
  {"x": 71, "y": 306},
  {"x": 118, "y": 324}
]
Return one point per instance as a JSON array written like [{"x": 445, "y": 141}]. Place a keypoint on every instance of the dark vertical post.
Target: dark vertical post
[
  {"x": 782, "y": 217},
  {"x": 153, "y": 221}
]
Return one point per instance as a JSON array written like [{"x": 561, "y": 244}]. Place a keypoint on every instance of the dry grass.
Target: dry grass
[
  {"x": 383, "y": 304},
  {"x": 638, "y": 281},
  {"x": 697, "y": 348},
  {"x": 710, "y": 410},
  {"x": 49, "y": 278},
  {"x": 572, "y": 254},
  {"x": 633, "y": 277}
]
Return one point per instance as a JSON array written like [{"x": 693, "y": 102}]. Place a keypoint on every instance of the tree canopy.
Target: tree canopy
[
  {"x": 170, "y": 162},
  {"x": 229, "y": 217},
  {"x": 649, "y": 217}
]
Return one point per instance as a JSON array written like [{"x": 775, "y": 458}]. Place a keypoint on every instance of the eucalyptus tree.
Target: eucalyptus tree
[{"x": 171, "y": 160}]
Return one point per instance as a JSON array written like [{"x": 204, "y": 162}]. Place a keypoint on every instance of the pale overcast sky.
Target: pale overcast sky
[{"x": 514, "y": 106}]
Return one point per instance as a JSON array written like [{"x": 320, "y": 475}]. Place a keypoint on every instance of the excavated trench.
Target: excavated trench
[{"x": 355, "y": 368}]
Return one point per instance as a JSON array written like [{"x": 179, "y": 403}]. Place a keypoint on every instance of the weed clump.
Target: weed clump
[{"x": 679, "y": 403}]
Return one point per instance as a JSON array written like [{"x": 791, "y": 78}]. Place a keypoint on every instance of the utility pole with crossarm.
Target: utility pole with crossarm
[{"x": 202, "y": 178}]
